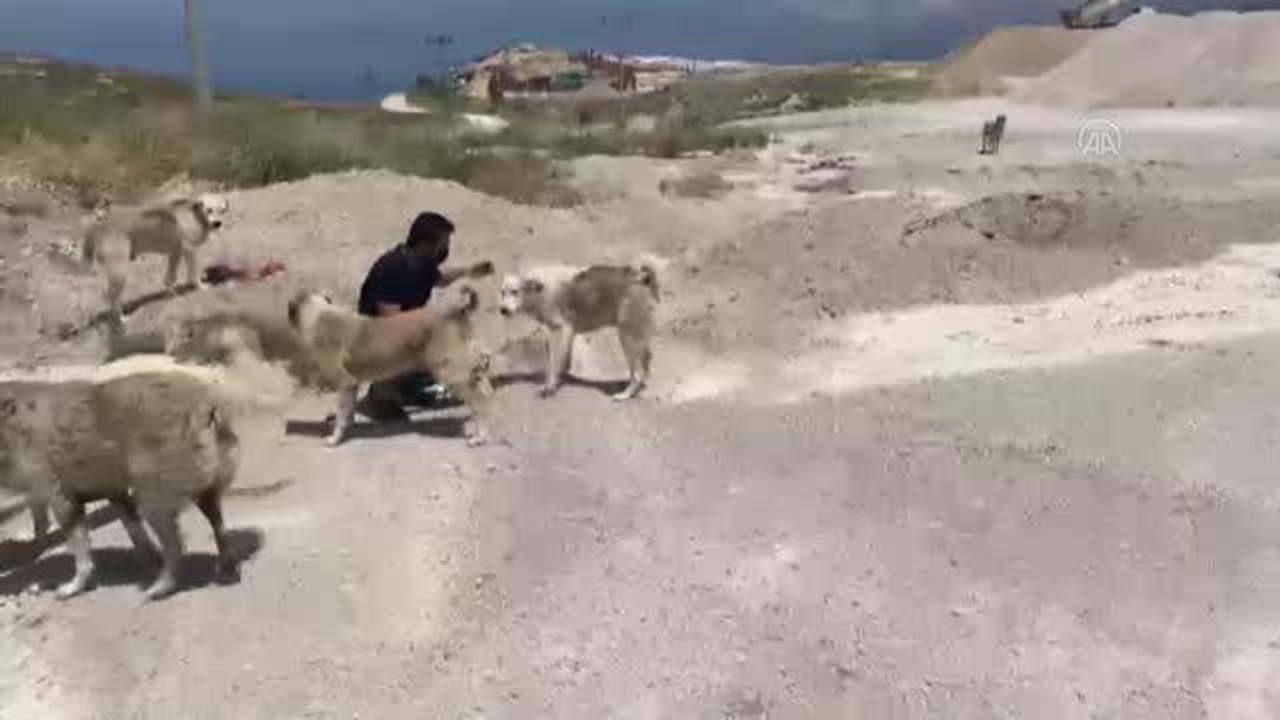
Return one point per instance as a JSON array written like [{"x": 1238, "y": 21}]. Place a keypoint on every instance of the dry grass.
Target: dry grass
[
  {"x": 702, "y": 104},
  {"x": 120, "y": 135},
  {"x": 125, "y": 138}
]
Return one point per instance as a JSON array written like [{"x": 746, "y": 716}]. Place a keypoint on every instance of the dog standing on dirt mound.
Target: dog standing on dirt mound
[
  {"x": 175, "y": 229},
  {"x": 351, "y": 349},
  {"x": 147, "y": 433},
  {"x": 571, "y": 301}
]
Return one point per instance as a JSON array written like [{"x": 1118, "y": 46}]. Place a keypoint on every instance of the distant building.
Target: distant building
[{"x": 528, "y": 71}]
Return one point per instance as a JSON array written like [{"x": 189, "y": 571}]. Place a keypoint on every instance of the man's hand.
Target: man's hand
[{"x": 450, "y": 275}]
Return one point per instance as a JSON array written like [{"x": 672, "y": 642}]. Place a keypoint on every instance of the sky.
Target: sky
[{"x": 361, "y": 49}]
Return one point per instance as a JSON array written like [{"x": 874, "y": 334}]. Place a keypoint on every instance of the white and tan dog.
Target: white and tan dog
[
  {"x": 350, "y": 349},
  {"x": 175, "y": 229},
  {"x": 570, "y": 301},
  {"x": 147, "y": 433}
]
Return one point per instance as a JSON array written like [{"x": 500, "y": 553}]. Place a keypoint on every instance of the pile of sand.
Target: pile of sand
[
  {"x": 987, "y": 66},
  {"x": 1212, "y": 58}
]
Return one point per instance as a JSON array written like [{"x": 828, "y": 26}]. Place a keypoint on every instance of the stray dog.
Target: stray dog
[
  {"x": 992, "y": 135},
  {"x": 569, "y": 302},
  {"x": 175, "y": 229},
  {"x": 351, "y": 349},
  {"x": 146, "y": 433}
]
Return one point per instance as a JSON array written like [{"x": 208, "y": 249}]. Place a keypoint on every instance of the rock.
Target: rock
[{"x": 826, "y": 180}]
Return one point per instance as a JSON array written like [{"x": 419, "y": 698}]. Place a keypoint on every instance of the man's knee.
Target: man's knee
[
  {"x": 414, "y": 383},
  {"x": 385, "y": 392}
]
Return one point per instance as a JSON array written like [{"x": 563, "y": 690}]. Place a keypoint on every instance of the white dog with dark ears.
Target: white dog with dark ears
[
  {"x": 175, "y": 229},
  {"x": 570, "y": 301}
]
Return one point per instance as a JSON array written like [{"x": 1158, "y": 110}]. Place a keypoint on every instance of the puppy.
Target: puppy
[
  {"x": 146, "y": 433},
  {"x": 569, "y": 302},
  {"x": 175, "y": 229},
  {"x": 351, "y": 349}
]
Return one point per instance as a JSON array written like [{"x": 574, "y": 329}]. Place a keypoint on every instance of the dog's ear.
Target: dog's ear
[
  {"x": 470, "y": 298},
  {"x": 532, "y": 285},
  {"x": 295, "y": 307}
]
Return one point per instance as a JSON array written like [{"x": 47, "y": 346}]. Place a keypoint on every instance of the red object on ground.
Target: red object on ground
[{"x": 220, "y": 273}]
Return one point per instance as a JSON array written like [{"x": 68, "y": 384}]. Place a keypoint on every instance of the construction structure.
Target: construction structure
[
  {"x": 531, "y": 72},
  {"x": 1097, "y": 14}
]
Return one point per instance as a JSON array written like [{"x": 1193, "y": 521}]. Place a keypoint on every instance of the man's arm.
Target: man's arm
[{"x": 450, "y": 275}]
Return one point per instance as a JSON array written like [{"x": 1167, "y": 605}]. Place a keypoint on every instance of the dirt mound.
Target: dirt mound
[
  {"x": 1005, "y": 248},
  {"x": 1212, "y": 58},
  {"x": 1037, "y": 220},
  {"x": 1019, "y": 52}
]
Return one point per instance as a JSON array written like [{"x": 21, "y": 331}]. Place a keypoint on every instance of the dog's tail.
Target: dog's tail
[
  {"x": 649, "y": 278},
  {"x": 245, "y": 385}
]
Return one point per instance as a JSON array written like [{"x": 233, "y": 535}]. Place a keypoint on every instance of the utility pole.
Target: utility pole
[{"x": 202, "y": 94}]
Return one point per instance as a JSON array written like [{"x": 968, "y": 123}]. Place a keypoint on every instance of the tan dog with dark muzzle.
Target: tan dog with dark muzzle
[{"x": 350, "y": 349}]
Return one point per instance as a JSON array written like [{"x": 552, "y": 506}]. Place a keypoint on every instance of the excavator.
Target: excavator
[{"x": 1097, "y": 14}]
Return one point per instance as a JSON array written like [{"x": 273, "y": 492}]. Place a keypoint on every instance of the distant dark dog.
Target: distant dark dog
[{"x": 992, "y": 135}]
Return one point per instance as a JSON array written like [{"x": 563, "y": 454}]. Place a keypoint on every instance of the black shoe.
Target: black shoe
[
  {"x": 433, "y": 397},
  {"x": 383, "y": 412}
]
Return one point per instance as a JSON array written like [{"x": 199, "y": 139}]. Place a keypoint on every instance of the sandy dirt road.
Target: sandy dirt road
[{"x": 880, "y": 474}]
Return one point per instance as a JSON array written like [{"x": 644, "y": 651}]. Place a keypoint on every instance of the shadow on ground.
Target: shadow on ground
[
  {"x": 441, "y": 427},
  {"x": 536, "y": 378},
  {"x": 124, "y": 566}
]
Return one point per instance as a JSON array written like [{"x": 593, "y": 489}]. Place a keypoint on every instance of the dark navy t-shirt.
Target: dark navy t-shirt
[{"x": 398, "y": 278}]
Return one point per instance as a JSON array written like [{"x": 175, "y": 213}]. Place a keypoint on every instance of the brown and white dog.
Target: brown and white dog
[
  {"x": 174, "y": 229},
  {"x": 351, "y": 349},
  {"x": 570, "y": 301}
]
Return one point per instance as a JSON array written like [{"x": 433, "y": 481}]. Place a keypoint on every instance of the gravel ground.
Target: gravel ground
[{"x": 932, "y": 449}]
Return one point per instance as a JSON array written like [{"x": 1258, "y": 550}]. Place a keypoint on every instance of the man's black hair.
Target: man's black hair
[{"x": 428, "y": 227}]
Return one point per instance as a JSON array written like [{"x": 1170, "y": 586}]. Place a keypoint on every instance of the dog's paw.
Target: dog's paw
[
  {"x": 547, "y": 391},
  {"x": 625, "y": 395},
  {"x": 73, "y": 587},
  {"x": 227, "y": 573},
  {"x": 334, "y": 440},
  {"x": 161, "y": 589}
]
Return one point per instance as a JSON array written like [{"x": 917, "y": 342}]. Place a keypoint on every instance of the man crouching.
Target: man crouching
[{"x": 403, "y": 279}]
